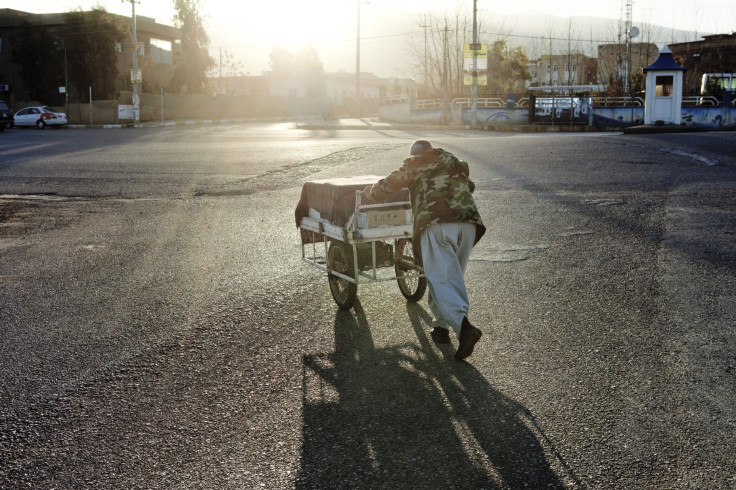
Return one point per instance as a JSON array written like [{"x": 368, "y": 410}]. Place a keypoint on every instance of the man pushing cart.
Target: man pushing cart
[{"x": 440, "y": 226}]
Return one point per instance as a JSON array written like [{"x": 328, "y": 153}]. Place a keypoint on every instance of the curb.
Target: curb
[
  {"x": 186, "y": 122},
  {"x": 317, "y": 123},
  {"x": 664, "y": 128}
]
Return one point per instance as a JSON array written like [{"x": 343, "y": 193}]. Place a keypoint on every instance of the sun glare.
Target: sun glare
[{"x": 289, "y": 22}]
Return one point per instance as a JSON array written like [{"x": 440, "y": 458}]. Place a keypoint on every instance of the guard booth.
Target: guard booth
[
  {"x": 663, "y": 101},
  {"x": 561, "y": 105}
]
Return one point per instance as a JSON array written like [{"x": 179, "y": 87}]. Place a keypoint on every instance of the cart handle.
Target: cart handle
[{"x": 359, "y": 205}]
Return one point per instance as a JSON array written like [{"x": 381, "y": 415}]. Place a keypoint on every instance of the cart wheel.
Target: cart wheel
[
  {"x": 340, "y": 259},
  {"x": 411, "y": 283}
]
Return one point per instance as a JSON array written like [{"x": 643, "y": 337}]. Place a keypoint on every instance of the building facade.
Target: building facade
[
  {"x": 562, "y": 69},
  {"x": 713, "y": 54},
  {"x": 612, "y": 65},
  {"x": 157, "y": 45}
]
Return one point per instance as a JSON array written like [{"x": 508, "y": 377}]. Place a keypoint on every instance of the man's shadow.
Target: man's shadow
[{"x": 410, "y": 416}]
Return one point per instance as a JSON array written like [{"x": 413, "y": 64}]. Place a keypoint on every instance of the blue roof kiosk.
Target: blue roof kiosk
[{"x": 663, "y": 100}]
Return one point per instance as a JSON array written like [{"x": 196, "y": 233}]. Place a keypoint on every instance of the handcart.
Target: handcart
[{"x": 356, "y": 242}]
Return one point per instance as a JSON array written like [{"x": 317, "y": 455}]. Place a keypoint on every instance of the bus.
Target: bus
[{"x": 715, "y": 83}]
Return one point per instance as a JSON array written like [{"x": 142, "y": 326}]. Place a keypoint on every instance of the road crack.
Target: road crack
[{"x": 287, "y": 175}]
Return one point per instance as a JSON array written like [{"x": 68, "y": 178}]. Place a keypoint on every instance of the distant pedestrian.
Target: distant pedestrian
[{"x": 447, "y": 225}]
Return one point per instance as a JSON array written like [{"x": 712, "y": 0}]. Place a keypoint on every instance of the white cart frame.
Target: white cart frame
[{"x": 352, "y": 235}]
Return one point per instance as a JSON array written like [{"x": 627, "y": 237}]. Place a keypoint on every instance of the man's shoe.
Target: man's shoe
[
  {"x": 440, "y": 335},
  {"x": 469, "y": 336}
]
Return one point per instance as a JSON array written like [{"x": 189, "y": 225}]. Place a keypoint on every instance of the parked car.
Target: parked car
[
  {"x": 39, "y": 117},
  {"x": 6, "y": 116}
]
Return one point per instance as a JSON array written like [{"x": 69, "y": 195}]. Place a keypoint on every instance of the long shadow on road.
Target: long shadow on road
[{"x": 410, "y": 416}]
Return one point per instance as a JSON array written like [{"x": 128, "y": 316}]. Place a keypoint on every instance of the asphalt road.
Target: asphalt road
[{"x": 159, "y": 330}]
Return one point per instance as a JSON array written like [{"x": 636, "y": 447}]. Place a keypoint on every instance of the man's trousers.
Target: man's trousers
[{"x": 445, "y": 250}]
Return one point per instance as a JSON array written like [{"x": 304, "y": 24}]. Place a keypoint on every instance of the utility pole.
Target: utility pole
[
  {"x": 357, "y": 66},
  {"x": 426, "y": 80},
  {"x": 445, "y": 91},
  {"x": 66, "y": 85},
  {"x": 134, "y": 75},
  {"x": 474, "y": 78},
  {"x": 550, "y": 61},
  {"x": 627, "y": 61}
]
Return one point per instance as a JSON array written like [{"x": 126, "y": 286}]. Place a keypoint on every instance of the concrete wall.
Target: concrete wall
[
  {"x": 403, "y": 113},
  {"x": 618, "y": 116},
  {"x": 395, "y": 112},
  {"x": 193, "y": 107},
  {"x": 711, "y": 117},
  {"x": 182, "y": 107}
]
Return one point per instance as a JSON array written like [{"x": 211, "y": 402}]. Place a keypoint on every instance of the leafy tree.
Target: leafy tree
[
  {"x": 282, "y": 63},
  {"x": 38, "y": 52},
  {"x": 304, "y": 66},
  {"x": 310, "y": 70},
  {"x": 507, "y": 69},
  {"x": 155, "y": 75},
  {"x": 192, "y": 65},
  {"x": 90, "y": 38}
]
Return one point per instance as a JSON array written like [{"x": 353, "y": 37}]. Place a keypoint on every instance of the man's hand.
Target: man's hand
[{"x": 366, "y": 193}]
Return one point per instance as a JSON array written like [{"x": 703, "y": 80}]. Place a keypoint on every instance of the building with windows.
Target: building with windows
[
  {"x": 157, "y": 45},
  {"x": 562, "y": 69},
  {"x": 714, "y": 54},
  {"x": 612, "y": 65}
]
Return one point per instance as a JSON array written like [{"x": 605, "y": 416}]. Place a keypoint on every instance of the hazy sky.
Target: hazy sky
[{"x": 249, "y": 29}]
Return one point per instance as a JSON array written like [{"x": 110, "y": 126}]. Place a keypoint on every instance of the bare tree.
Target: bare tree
[{"x": 439, "y": 49}]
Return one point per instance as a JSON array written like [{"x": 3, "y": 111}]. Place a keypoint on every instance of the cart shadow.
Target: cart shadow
[{"x": 410, "y": 416}]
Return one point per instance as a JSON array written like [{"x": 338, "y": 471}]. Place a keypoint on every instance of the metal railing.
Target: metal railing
[
  {"x": 622, "y": 101},
  {"x": 467, "y": 102},
  {"x": 428, "y": 104},
  {"x": 396, "y": 99},
  {"x": 600, "y": 101},
  {"x": 700, "y": 100},
  {"x": 490, "y": 102},
  {"x": 482, "y": 102}
]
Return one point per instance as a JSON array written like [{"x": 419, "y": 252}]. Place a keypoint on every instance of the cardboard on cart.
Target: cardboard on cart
[{"x": 378, "y": 218}]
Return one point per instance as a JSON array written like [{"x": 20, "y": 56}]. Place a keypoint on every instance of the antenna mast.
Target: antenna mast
[{"x": 627, "y": 34}]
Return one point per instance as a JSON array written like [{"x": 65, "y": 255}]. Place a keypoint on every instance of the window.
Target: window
[
  {"x": 161, "y": 51},
  {"x": 664, "y": 86}
]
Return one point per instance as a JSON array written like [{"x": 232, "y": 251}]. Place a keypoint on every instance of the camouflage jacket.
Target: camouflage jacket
[{"x": 440, "y": 189}]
